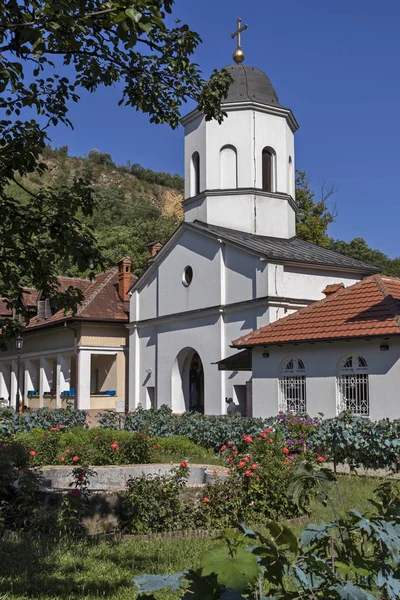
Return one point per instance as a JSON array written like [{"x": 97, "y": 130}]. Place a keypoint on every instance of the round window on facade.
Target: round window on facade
[{"x": 187, "y": 276}]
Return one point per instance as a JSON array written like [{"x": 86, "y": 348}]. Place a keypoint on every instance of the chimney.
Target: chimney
[
  {"x": 332, "y": 289},
  {"x": 154, "y": 248},
  {"x": 124, "y": 277}
]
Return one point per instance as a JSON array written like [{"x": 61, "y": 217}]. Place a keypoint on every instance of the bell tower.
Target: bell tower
[{"x": 240, "y": 174}]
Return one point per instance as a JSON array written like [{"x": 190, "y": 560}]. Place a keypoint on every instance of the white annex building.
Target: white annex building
[{"x": 234, "y": 264}]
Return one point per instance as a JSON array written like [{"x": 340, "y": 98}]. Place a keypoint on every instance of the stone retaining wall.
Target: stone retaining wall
[{"x": 116, "y": 477}]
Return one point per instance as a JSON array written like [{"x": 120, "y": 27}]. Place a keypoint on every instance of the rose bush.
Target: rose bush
[{"x": 95, "y": 446}]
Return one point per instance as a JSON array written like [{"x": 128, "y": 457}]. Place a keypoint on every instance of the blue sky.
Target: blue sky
[{"x": 335, "y": 63}]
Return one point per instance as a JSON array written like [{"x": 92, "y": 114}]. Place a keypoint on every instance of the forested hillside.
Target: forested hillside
[{"x": 135, "y": 206}]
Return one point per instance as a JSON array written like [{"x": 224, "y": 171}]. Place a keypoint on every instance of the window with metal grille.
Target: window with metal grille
[
  {"x": 354, "y": 386},
  {"x": 292, "y": 383}
]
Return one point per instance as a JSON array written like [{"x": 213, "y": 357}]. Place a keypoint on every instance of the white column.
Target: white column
[
  {"x": 30, "y": 378},
  {"x": 4, "y": 381},
  {"x": 223, "y": 349},
  {"x": 45, "y": 378},
  {"x": 63, "y": 382},
  {"x": 83, "y": 383},
  {"x": 13, "y": 385}
]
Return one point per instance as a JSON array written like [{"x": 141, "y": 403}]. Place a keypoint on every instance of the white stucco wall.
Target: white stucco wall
[
  {"x": 294, "y": 282},
  {"x": 249, "y": 131},
  {"x": 223, "y": 276},
  {"x": 322, "y": 362}
]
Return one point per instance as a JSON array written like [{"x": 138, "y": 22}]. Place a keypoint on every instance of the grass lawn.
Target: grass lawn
[{"x": 66, "y": 569}]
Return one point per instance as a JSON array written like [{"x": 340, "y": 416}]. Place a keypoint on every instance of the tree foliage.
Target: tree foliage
[
  {"x": 313, "y": 217},
  {"x": 49, "y": 50}
]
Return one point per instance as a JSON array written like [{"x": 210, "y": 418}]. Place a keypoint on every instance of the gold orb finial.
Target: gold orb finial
[{"x": 238, "y": 55}]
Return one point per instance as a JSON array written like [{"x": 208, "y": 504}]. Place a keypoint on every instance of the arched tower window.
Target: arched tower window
[
  {"x": 228, "y": 168},
  {"x": 195, "y": 174},
  {"x": 353, "y": 384},
  {"x": 292, "y": 383},
  {"x": 268, "y": 168}
]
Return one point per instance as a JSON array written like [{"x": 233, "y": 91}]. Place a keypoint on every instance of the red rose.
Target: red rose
[
  {"x": 68, "y": 451},
  {"x": 246, "y": 459},
  {"x": 206, "y": 500},
  {"x": 61, "y": 426},
  {"x": 242, "y": 464},
  {"x": 222, "y": 448},
  {"x": 247, "y": 438},
  {"x": 263, "y": 434},
  {"x": 254, "y": 467},
  {"x": 268, "y": 430},
  {"x": 230, "y": 443},
  {"x": 75, "y": 492},
  {"x": 114, "y": 446},
  {"x": 184, "y": 464},
  {"x": 249, "y": 473},
  {"x": 271, "y": 441},
  {"x": 62, "y": 459},
  {"x": 53, "y": 428},
  {"x": 286, "y": 450},
  {"x": 76, "y": 458},
  {"x": 32, "y": 453},
  {"x": 320, "y": 459}
]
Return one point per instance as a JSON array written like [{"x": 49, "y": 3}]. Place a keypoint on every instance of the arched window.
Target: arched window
[
  {"x": 195, "y": 174},
  {"x": 292, "y": 383},
  {"x": 228, "y": 168},
  {"x": 268, "y": 167},
  {"x": 354, "y": 386}
]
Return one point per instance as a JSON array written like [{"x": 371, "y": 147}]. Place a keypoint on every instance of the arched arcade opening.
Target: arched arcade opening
[{"x": 187, "y": 382}]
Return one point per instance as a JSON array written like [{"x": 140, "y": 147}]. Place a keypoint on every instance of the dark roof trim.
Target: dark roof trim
[
  {"x": 241, "y": 361},
  {"x": 238, "y": 238},
  {"x": 72, "y": 320}
]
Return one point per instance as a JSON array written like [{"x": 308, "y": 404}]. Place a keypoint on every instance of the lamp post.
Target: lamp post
[{"x": 19, "y": 342}]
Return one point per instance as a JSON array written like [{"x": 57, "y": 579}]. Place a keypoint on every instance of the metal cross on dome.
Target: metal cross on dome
[{"x": 238, "y": 55}]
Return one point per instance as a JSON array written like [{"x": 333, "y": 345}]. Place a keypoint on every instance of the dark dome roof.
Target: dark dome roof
[{"x": 250, "y": 84}]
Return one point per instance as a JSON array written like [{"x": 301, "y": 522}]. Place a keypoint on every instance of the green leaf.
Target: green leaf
[
  {"x": 236, "y": 572},
  {"x": 154, "y": 583},
  {"x": 353, "y": 592},
  {"x": 133, "y": 14},
  {"x": 313, "y": 533}
]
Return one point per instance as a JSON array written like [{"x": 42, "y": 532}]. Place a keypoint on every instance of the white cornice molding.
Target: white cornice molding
[
  {"x": 241, "y": 192},
  {"x": 291, "y": 303},
  {"x": 278, "y": 111}
]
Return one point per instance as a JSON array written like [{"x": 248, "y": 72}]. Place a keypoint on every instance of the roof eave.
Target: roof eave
[{"x": 314, "y": 340}]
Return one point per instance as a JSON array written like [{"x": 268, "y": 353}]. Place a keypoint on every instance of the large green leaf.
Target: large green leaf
[
  {"x": 353, "y": 592},
  {"x": 154, "y": 583},
  {"x": 235, "y": 571}
]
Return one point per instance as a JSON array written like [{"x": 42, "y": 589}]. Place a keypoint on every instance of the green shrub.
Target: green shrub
[
  {"x": 80, "y": 445},
  {"x": 152, "y": 503},
  {"x": 43, "y": 418},
  {"x": 179, "y": 447},
  {"x": 41, "y": 446},
  {"x": 120, "y": 447}
]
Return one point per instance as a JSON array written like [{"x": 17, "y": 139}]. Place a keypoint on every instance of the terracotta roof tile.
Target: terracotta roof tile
[
  {"x": 370, "y": 307},
  {"x": 102, "y": 301}
]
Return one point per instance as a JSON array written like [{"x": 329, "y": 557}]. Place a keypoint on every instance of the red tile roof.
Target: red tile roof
[
  {"x": 102, "y": 301},
  {"x": 368, "y": 308}
]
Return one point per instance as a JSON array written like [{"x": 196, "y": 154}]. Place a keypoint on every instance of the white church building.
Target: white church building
[{"x": 234, "y": 265}]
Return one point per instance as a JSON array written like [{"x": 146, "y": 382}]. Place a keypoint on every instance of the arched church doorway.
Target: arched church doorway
[{"x": 187, "y": 382}]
